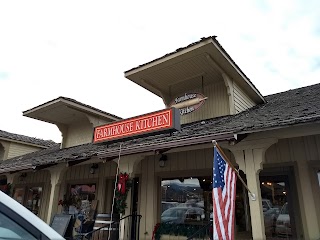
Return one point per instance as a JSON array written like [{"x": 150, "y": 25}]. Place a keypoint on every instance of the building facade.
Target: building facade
[{"x": 273, "y": 140}]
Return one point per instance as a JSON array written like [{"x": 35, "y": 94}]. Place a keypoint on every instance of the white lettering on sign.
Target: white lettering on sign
[
  {"x": 186, "y": 97},
  {"x": 188, "y": 103},
  {"x": 157, "y": 121}
]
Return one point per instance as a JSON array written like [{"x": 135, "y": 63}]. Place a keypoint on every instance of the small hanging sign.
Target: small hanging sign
[{"x": 188, "y": 103}]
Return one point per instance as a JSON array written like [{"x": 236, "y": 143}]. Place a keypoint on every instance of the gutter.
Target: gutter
[
  {"x": 113, "y": 153},
  {"x": 300, "y": 122},
  {"x": 169, "y": 145},
  {"x": 16, "y": 168}
]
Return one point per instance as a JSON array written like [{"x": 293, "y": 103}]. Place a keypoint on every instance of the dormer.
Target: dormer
[
  {"x": 74, "y": 119},
  {"x": 201, "y": 69}
]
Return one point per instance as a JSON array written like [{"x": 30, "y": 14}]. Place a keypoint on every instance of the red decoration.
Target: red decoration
[
  {"x": 156, "y": 227},
  {"x": 123, "y": 178}
]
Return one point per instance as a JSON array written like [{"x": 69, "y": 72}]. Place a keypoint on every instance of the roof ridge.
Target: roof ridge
[{"x": 293, "y": 89}]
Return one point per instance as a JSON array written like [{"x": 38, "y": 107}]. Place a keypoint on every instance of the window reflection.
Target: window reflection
[
  {"x": 186, "y": 200},
  {"x": 80, "y": 198},
  {"x": 275, "y": 209},
  {"x": 30, "y": 197},
  {"x": 33, "y": 199},
  {"x": 84, "y": 191}
]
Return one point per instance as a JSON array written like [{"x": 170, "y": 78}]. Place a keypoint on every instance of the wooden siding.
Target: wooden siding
[
  {"x": 103, "y": 177},
  {"x": 78, "y": 133},
  {"x": 216, "y": 105},
  {"x": 17, "y": 149},
  {"x": 2, "y": 151},
  {"x": 295, "y": 149},
  {"x": 241, "y": 99}
]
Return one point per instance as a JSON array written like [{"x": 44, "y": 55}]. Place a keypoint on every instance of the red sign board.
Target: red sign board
[{"x": 164, "y": 120}]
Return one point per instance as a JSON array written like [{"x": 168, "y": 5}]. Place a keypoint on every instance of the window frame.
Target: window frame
[{"x": 166, "y": 176}]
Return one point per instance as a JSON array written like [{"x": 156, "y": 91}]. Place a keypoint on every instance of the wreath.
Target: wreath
[{"x": 123, "y": 186}]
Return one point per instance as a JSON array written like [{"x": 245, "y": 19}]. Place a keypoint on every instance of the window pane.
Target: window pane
[
  {"x": 80, "y": 198},
  {"x": 276, "y": 209},
  {"x": 85, "y": 191},
  {"x": 19, "y": 194},
  {"x": 186, "y": 200},
  {"x": 11, "y": 230},
  {"x": 34, "y": 199}
]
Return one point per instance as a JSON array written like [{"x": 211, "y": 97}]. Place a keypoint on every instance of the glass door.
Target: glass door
[{"x": 278, "y": 207}]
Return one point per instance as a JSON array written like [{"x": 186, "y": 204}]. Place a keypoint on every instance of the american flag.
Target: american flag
[{"x": 223, "y": 194}]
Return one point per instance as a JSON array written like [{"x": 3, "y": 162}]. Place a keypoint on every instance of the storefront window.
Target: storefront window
[
  {"x": 80, "y": 197},
  {"x": 19, "y": 194},
  {"x": 30, "y": 197},
  {"x": 276, "y": 209},
  {"x": 33, "y": 199},
  {"x": 84, "y": 191},
  {"x": 186, "y": 200}
]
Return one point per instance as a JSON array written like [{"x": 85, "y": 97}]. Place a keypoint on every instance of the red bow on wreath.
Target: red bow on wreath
[{"x": 123, "y": 178}]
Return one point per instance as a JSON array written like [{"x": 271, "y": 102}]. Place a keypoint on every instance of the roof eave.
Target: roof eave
[
  {"x": 130, "y": 74},
  {"x": 239, "y": 71},
  {"x": 33, "y": 111}
]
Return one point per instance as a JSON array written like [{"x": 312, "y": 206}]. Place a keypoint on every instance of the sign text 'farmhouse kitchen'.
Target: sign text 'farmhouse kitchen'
[{"x": 151, "y": 123}]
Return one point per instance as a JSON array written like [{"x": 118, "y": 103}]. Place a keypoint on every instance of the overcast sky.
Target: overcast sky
[{"x": 80, "y": 49}]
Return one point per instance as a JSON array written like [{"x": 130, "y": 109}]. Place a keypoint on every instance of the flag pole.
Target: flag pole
[{"x": 215, "y": 144}]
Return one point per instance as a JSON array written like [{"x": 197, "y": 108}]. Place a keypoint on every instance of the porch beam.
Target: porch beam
[
  {"x": 250, "y": 157},
  {"x": 40, "y": 167},
  {"x": 307, "y": 203},
  {"x": 75, "y": 162},
  {"x": 127, "y": 164},
  {"x": 57, "y": 173}
]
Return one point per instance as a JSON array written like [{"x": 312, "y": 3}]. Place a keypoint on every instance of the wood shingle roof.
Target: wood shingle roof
[{"x": 297, "y": 106}]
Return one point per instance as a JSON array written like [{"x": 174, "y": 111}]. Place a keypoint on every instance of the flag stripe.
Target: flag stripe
[
  {"x": 230, "y": 223},
  {"x": 223, "y": 194},
  {"x": 227, "y": 199},
  {"x": 219, "y": 214},
  {"x": 216, "y": 220}
]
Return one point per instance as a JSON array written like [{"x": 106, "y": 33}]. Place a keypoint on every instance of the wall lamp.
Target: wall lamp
[
  {"x": 93, "y": 168},
  {"x": 22, "y": 177},
  {"x": 162, "y": 160}
]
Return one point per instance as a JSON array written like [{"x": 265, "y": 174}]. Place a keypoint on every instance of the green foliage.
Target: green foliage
[
  {"x": 70, "y": 200},
  {"x": 177, "y": 230},
  {"x": 121, "y": 198}
]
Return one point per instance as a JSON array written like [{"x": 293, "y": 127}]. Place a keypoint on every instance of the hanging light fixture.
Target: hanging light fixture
[
  {"x": 22, "y": 177},
  {"x": 93, "y": 168},
  {"x": 162, "y": 160}
]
